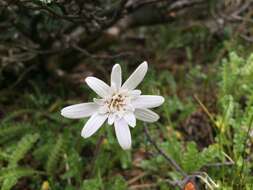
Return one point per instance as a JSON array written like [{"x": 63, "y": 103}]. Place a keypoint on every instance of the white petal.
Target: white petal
[
  {"x": 93, "y": 124},
  {"x": 148, "y": 101},
  {"x": 135, "y": 93},
  {"x": 103, "y": 109},
  {"x": 130, "y": 119},
  {"x": 111, "y": 119},
  {"x": 129, "y": 108},
  {"x": 123, "y": 133},
  {"x": 100, "y": 87},
  {"x": 146, "y": 115},
  {"x": 100, "y": 102},
  {"x": 116, "y": 77},
  {"x": 78, "y": 111},
  {"x": 134, "y": 80}
]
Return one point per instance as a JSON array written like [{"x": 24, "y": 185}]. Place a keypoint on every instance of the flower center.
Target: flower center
[{"x": 117, "y": 102}]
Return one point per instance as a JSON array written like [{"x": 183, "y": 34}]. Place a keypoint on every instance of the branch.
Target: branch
[{"x": 171, "y": 161}]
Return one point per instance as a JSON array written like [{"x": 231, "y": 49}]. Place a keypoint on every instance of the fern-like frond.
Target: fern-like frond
[
  {"x": 191, "y": 158},
  {"x": 24, "y": 145},
  {"x": 55, "y": 155},
  {"x": 9, "y": 183},
  {"x": 4, "y": 155},
  {"x": 231, "y": 73},
  {"x": 17, "y": 113},
  {"x": 247, "y": 69},
  {"x": 16, "y": 172},
  {"x": 9, "y": 131}
]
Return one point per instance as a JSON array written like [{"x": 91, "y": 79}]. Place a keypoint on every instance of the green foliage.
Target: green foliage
[
  {"x": 16, "y": 172},
  {"x": 115, "y": 183},
  {"x": 9, "y": 183},
  {"x": 237, "y": 71},
  {"x": 23, "y": 146},
  {"x": 74, "y": 162},
  {"x": 233, "y": 127},
  {"x": 12, "y": 130},
  {"x": 9, "y": 176},
  {"x": 234, "y": 121},
  {"x": 191, "y": 159},
  {"x": 37, "y": 145},
  {"x": 55, "y": 155},
  {"x": 92, "y": 184}
]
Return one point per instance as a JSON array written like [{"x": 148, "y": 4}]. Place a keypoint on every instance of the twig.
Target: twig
[
  {"x": 93, "y": 56},
  {"x": 96, "y": 152},
  {"x": 133, "y": 6},
  {"x": 143, "y": 186},
  {"x": 204, "y": 108},
  {"x": 20, "y": 78},
  {"x": 117, "y": 14},
  {"x": 243, "y": 7},
  {"x": 67, "y": 167},
  {"x": 136, "y": 178},
  {"x": 247, "y": 38},
  {"x": 171, "y": 161},
  {"x": 98, "y": 145},
  {"x": 183, "y": 4}
]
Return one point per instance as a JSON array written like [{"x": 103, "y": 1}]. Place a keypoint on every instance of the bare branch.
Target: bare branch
[{"x": 171, "y": 161}]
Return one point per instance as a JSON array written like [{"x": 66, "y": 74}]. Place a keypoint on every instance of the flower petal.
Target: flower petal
[
  {"x": 116, "y": 77},
  {"x": 148, "y": 101},
  {"x": 103, "y": 109},
  {"x": 111, "y": 119},
  {"x": 98, "y": 101},
  {"x": 98, "y": 86},
  {"x": 78, "y": 111},
  {"x": 93, "y": 124},
  {"x": 130, "y": 119},
  {"x": 123, "y": 133},
  {"x": 134, "y": 80},
  {"x": 146, "y": 115},
  {"x": 135, "y": 93}
]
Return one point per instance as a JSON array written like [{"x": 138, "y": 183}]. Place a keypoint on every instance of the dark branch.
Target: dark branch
[{"x": 171, "y": 161}]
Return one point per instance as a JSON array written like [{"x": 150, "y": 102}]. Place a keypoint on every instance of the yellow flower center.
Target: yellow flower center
[{"x": 116, "y": 102}]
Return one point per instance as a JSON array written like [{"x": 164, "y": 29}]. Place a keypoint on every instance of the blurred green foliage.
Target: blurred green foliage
[
  {"x": 41, "y": 150},
  {"x": 49, "y": 148}
]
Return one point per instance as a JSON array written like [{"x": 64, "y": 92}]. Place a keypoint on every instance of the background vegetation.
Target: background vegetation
[{"x": 200, "y": 59}]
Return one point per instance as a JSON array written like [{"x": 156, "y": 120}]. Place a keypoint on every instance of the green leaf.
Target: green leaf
[
  {"x": 23, "y": 146},
  {"x": 92, "y": 184},
  {"x": 16, "y": 172},
  {"x": 55, "y": 155},
  {"x": 9, "y": 183},
  {"x": 117, "y": 183},
  {"x": 190, "y": 159}
]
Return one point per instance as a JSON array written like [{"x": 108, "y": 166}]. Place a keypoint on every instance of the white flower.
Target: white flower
[{"x": 120, "y": 104}]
